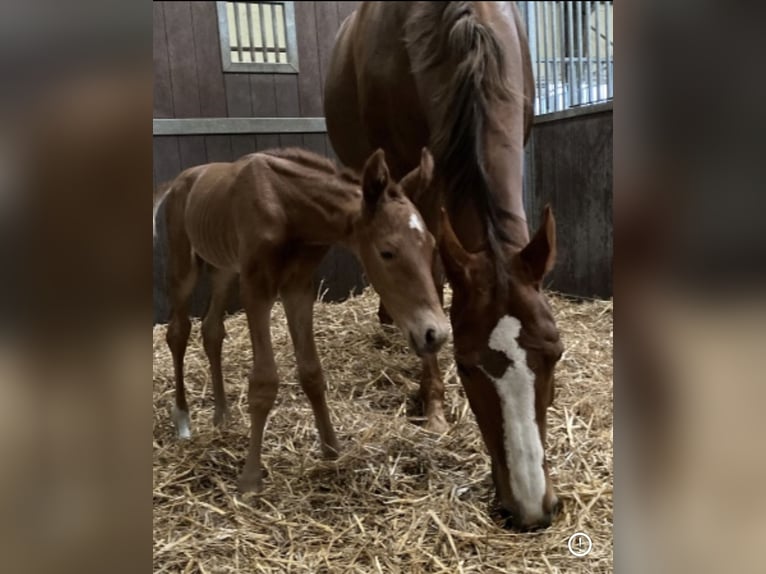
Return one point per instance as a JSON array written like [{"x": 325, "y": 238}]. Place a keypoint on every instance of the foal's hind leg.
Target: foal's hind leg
[
  {"x": 213, "y": 334},
  {"x": 183, "y": 277},
  {"x": 298, "y": 300}
]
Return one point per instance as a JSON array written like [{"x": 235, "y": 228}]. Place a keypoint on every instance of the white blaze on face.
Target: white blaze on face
[
  {"x": 417, "y": 223},
  {"x": 523, "y": 447}
]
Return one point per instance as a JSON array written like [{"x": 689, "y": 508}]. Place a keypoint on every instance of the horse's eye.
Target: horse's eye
[{"x": 387, "y": 254}]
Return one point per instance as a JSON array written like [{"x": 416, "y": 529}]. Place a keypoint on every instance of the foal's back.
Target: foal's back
[{"x": 218, "y": 204}]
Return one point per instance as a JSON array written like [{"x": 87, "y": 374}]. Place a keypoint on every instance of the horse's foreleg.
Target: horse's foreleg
[
  {"x": 298, "y": 300},
  {"x": 213, "y": 334},
  {"x": 258, "y": 298}
]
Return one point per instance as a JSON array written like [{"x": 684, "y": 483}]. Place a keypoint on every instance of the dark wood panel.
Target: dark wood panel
[
  {"x": 192, "y": 151},
  {"x": 163, "y": 91},
  {"x": 264, "y": 106},
  {"x": 573, "y": 171},
  {"x": 239, "y": 100},
  {"x": 288, "y": 105},
  {"x": 167, "y": 161},
  {"x": 262, "y": 94},
  {"x": 267, "y": 141},
  {"x": 242, "y": 145},
  {"x": 218, "y": 148},
  {"x": 207, "y": 47},
  {"x": 315, "y": 143},
  {"x": 310, "y": 79},
  {"x": 183, "y": 62}
]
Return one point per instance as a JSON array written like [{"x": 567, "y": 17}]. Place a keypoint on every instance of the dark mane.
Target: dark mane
[
  {"x": 314, "y": 162},
  {"x": 451, "y": 35}
]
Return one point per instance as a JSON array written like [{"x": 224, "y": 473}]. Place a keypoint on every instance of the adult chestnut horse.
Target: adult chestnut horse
[
  {"x": 270, "y": 218},
  {"x": 457, "y": 77}
]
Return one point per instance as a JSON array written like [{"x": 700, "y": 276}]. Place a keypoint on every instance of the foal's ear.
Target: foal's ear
[
  {"x": 375, "y": 178},
  {"x": 539, "y": 255},
  {"x": 419, "y": 179}
]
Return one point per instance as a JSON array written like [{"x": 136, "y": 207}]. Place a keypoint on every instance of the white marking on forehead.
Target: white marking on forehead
[
  {"x": 523, "y": 447},
  {"x": 417, "y": 223}
]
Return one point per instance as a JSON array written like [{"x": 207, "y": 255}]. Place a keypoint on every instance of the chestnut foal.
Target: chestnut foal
[{"x": 270, "y": 218}]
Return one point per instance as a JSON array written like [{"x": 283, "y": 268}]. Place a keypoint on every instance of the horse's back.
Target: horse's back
[{"x": 372, "y": 98}]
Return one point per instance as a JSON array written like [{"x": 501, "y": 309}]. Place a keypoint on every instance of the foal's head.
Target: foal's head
[
  {"x": 398, "y": 252},
  {"x": 506, "y": 348}
]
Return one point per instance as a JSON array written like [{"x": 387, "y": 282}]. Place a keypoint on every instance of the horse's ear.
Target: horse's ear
[
  {"x": 539, "y": 255},
  {"x": 419, "y": 179},
  {"x": 456, "y": 259},
  {"x": 375, "y": 178}
]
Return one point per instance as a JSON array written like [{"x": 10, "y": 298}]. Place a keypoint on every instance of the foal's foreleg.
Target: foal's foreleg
[
  {"x": 258, "y": 295},
  {"x": 213, "y": 334},
  {"x": 432, "y": 395},
  {"x": 298, "y": 300}
]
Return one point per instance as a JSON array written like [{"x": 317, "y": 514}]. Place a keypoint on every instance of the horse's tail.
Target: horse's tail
[{"x": 160, "y": 193}]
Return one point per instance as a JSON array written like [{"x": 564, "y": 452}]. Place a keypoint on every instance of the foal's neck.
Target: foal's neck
[{"x": 323, "y": 204}]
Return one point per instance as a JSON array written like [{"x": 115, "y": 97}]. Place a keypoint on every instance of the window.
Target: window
[{"x": 258, "y": 37}]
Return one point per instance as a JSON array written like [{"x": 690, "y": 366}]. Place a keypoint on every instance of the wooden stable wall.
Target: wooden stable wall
[{"x": 569, "y": 162}]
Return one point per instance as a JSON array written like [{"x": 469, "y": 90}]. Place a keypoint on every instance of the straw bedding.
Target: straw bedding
[{"x": 398, "y": 499}]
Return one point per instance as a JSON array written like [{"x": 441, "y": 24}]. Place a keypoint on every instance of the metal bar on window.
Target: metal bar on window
[
  {"x": 609, "y": 89},
  {"x": 545, "y": 58},
  {"x": 555, "y": 45},
  {"x": 275, "y": 25},
  {"x": 580, "y": 53},
  {"x": 261, "y": 13},
  {"x": 539, "y": 82},
  {"x": 574, "y": 96},
  {"x": 598, "y": 51},
  {"x": 239, "y": 33},
  {"x": 250, "y": 35},
  {"x": 587, "y": 49}
]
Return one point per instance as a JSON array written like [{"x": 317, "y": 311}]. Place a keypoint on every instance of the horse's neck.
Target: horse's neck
[{"x": 505, "y": 172}]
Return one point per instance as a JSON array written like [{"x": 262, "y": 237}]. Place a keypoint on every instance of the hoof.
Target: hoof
[
  {"x": 250, "y": 482},
  {"x": 221, "y": 417},
  {"x": 330, "y": 452},
  {"x": 436, "y": 424},
  {"x": 181, "y": 422}
]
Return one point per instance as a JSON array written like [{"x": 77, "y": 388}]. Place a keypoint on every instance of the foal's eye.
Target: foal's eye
[{"x": 387, "y": 254}]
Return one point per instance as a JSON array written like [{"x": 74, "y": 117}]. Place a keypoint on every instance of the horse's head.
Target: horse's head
[
  {"x": 506, "y": 348},
  {"x": 398, "y": 252}
]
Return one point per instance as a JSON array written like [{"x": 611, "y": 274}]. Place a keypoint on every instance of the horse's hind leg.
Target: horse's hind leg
[
  {"x": 183, "y": 269},
  {"x": 298, "y": 299},
  {"x": 213, "y": 334}
]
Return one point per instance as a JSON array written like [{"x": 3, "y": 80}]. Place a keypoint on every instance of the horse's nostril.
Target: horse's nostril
[{"x": 430, "y": 336}]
